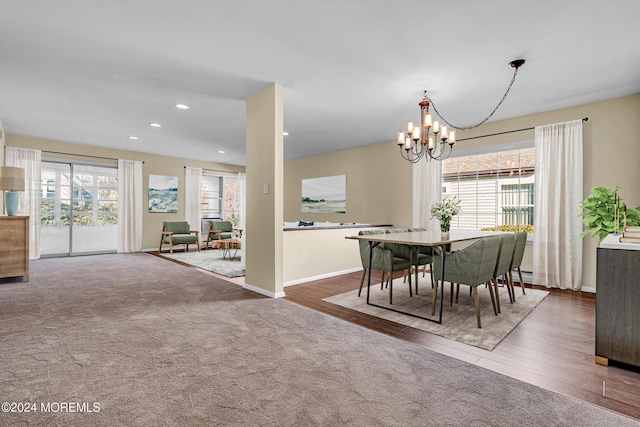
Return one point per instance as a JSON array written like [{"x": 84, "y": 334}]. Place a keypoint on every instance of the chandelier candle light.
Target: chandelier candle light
[{"x": 432, "y": 140}]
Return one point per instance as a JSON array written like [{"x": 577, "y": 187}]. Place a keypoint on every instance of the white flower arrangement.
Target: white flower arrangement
[{"x": 444, "y": 211}]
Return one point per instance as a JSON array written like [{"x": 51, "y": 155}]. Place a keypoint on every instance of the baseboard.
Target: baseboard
[
  {"x": 321, "y": 276},
  {"x": 527, "y": 277},
  {"x": 263, "y": 291}
]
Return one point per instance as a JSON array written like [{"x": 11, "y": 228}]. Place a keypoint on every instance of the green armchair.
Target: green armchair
[
  {"x": 178, "y": 233},
  {"x": 219, "y": 230},
  {"x": 472, "y": 266}
]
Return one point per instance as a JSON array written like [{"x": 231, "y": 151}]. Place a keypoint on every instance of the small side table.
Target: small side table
[{"x": 229, "y": 245}]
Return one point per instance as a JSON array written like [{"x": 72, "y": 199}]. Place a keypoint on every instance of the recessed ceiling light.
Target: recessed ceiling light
[
  {"x": 285, "y": 133},
  {"x": 182, "y": 106},
  {"x": 133, "y": 137},
  {"x": 220, "y": 151},
  {"x": 155, "y": 125}
]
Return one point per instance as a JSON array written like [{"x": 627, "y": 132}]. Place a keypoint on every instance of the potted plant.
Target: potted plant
[
  {"x": 235, "y": 222},
  {"x": 599, "y": 215},
  {"x": 444, "y": 211}
]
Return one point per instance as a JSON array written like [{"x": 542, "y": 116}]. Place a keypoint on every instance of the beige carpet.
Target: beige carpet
[
  {"x": 458, "y": 321},
  {"x": 156, "y": 343}
]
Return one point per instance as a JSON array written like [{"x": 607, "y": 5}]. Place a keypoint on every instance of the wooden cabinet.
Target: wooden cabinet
[
  {"x": 617, "y": 306},
  {"x": 14, "y": 246}
]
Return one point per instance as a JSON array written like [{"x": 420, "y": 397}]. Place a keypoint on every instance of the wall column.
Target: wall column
[{"x": 264, "y": 168}]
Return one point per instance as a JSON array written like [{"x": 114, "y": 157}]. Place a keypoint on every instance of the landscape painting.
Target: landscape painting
[
  {"x": 163, "y": 193},
  {"x": 327, "y": 194}
]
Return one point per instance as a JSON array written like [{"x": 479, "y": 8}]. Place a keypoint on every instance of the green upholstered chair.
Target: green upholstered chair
[
  {"x": 219, "y": 230},
  {"x": 472, "y": 266},
  {"x": 178, "y": 233},
  {"x": 384, "y": 260},
  {"x": 503, "y": 266},
  {"x": 405, "y": 251},
  {"x": 428, "y": 252},
  {"x": 518, "y": 254}
]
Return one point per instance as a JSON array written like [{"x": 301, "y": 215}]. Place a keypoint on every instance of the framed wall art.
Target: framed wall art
[{"x": 163, "y": 193}]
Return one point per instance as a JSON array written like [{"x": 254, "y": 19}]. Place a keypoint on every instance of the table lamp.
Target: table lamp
[{"x": 11, "y": 180}]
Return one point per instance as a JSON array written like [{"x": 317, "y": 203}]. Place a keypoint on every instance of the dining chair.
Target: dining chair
[
  {"x": 518, "y": 254},
  {"x": 472, "y": 266},
  {"x": 408, "y": 252},
  {"x": 384, "y": 260},
  {"x": 428, "y": 251},
  {"x": 503, "y": 265}
]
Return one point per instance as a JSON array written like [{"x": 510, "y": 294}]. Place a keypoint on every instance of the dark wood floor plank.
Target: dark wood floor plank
[{"x": 552, "y": 348}]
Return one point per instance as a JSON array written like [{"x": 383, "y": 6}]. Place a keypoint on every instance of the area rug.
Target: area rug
[
  {"x": 458, "y": 320},
  {"x": 210, "y": 260}
]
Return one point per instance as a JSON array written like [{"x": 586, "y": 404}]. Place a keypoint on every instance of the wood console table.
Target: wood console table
[
  {"x": 617, "y": 302},
  {"x": 14, "y": 246}
]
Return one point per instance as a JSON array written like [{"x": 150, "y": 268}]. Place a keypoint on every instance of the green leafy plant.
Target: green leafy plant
[
  {"x": 599, "y": 213},
  {"x": 235, "y": 220}
]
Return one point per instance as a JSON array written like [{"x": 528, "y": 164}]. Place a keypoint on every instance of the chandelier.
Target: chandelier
[{"x": 432, "y": 140}]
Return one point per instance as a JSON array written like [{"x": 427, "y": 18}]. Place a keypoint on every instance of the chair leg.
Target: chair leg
[
  {"x": 457, "y": 291},
  {"x": 160, "y": 247},
  {"x": 495, "y": 283},
  {"x": 390, "y": 286},
  {"x": 431, "y": 273},
  {"x": 451, "y": 296},
  {"x": 382, "y": 280},
  {"x": 410, "y": 293},
  {"x": 521, "y": 281},
  {"x": 364, "y": 272},
  {"x": 509, "y": 278},
  {"x": 435, "y": 298},
  {"x": 477, "y": 304},
  {"x": 416, "y": 285},
  {"x": 170, "y": 245},
  {"x": 493, "y": 300}
]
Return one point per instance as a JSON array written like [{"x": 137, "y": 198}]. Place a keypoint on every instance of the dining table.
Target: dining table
[{"x": 433, "y": 239}]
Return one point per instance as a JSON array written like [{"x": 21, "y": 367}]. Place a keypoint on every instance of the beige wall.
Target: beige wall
[
  {"x": 153, "y": 165},
  {"x": 379, "y": 188}
]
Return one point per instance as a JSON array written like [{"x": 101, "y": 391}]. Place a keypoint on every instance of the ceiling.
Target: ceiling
[{"x": 353, "y": 70}]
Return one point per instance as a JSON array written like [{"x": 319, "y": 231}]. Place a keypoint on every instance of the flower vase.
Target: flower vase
[{"x": 444, "y": 231}]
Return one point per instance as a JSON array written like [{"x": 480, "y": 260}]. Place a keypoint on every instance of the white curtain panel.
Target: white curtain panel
[
  {"x": 193, "y": 197},
  {"x": 30, "y": 161},
  {"x": 557, "y": 247},
  {"x": 427, "y": 189},
  {"x": 242, "y": 199},
  {"x": 242, "y": 195},
  {"x": 129, "y": 206}
]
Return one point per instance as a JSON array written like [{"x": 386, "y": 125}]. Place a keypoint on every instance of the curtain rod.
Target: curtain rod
[
  {"x": 80, "y": 155},
  {"x": 585, "y": 119},
  {"x": 215, "y": 170}
]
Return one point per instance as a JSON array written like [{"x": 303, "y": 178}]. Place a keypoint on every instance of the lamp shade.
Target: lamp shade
[{"x": 11, "y": 178}]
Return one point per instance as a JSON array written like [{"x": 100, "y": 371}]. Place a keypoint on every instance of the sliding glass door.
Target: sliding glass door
[{"x": 79, "y": 209}]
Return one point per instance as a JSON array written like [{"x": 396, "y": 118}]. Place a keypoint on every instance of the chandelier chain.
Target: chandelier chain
[{"x": 513, "y": 79}]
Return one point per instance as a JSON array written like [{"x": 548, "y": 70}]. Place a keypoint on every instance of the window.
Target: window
[
  {"x": 495, "y": 189},
  {"x": 219, "y": 197}
]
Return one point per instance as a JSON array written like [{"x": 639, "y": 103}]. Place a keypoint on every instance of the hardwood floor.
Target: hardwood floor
[{"x": 552, "y": 348}]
